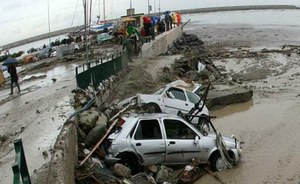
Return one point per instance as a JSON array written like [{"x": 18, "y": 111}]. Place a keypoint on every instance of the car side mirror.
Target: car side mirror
[{"x": 196, "y": 140}]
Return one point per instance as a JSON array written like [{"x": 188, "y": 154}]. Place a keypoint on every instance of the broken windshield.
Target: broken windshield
[{"x": 160, "y": 91}]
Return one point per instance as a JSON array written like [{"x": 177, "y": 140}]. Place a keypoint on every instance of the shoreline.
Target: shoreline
[{"x": 187, "y": 11}]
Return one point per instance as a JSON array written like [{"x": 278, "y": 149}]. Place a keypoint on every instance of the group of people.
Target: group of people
[
  {"x": 152, "y": 26},
  {"x": 156, "y": 25}
]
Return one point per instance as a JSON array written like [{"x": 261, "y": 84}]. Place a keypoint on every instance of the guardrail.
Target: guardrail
[{"x": 20, "y": 166}]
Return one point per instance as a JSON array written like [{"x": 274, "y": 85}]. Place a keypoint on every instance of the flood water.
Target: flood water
[{"x": 269, "y": 124}]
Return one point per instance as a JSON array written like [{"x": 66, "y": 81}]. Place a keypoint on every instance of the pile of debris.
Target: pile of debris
[
  {"x": 195, "y": 64},
  {"x": 93, "y": 126}
]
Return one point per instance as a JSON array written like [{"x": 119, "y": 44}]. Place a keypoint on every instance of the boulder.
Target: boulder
[
  {"x": 162, "y": 175},
  {"x": 95, "y": 135},
  {"x": 122, "y": 170},
  {"x": 102, "y": 120},
  {"x": 228, "y": 96},
  {"x": 88, "y": 119},
  {"x": 166, "y": 174}
]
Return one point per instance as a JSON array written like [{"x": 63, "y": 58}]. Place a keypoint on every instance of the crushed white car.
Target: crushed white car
[{"x": 171, "y": 99}]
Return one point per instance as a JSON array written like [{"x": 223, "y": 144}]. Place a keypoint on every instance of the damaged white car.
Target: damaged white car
[
  {"x": 146, "y": 139},
  {"x": 171, "y": 99}
]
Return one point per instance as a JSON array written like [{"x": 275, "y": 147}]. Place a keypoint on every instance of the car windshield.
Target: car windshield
[{"x": 160, "y": 91}]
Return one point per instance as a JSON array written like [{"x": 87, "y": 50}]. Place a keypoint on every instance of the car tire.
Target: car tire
[
  {"x": 130, "y": 161},
  {"x": 216, "y": 163}
]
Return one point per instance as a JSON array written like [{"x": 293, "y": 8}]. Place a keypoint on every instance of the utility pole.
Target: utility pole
[
  {"x": 130, "y": 4},
  {"x": 154, "y": 6}
]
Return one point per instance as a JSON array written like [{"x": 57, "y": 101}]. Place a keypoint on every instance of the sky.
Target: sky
[{"x": 20, "y": 19}]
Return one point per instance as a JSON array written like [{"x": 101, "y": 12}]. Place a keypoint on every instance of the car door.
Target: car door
[
  {"x": 175, "y": 100},
  {"x": 148, "y": 141},
  {"x": 180, "y": 142}
]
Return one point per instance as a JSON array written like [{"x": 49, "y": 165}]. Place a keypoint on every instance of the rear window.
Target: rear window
[{"x": 148, "y": 129}]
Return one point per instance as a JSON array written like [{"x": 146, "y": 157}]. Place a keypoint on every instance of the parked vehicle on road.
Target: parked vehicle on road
[
  {"x": 171, "y": 99},
  {"x": 147, "y": 139}
]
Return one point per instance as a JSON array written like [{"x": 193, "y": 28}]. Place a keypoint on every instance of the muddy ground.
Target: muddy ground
[{"x": 37, "y": 114}]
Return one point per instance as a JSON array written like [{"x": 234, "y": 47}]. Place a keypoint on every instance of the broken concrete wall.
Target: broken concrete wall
[
  {"x": 63, "y": 160},
  {"x": 161, "y": 43}
]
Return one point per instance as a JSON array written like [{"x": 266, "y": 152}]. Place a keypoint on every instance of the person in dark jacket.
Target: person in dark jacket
[
  {"x": 168, "y": 20},
  {"x": 12, "y": 70}
]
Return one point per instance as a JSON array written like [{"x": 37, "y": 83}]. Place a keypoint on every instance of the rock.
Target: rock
[
  {"x": 102, "y": 119},
  {"x": 95, "y": 135},
  {"x": 87, "y": 120},
  {"x": 153, "y": 168},
  {"x": 81, "y": 99},
  {"x": 143, "y": 178},
  {"x": 108, "y": 113},
  {"x": 106, "y": 177},
  {"x": 122, "y": 171},
  {"x": 228, "y": 96},
  {"x": 191, "y": 38},
  {"x": 162, "y": 175}
]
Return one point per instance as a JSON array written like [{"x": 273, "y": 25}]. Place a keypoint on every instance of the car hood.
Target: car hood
[{"x": 230, "y": 142}]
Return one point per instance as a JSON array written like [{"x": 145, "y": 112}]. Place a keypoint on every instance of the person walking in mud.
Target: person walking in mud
[
  {"x": 128, "y": 44},
  {"x": 12, "y": 70}
]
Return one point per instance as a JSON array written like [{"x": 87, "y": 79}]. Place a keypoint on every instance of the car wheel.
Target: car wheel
[
  {"x": 217, "y": 163},
  {"x": 152, "y": 108},
  {"x": 130, "y": 161}
]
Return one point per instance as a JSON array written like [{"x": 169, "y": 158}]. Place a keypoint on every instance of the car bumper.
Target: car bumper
[{"x": 237, "y": 155}]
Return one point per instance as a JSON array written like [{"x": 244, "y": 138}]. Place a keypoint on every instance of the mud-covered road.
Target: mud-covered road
[{"x": 269, "y": 125}]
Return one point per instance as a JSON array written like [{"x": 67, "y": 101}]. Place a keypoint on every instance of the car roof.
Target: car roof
[{"x": 151, "y": 115}]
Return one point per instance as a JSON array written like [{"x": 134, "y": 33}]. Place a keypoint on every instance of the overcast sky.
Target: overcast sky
[{"x": 21, "y": 19}]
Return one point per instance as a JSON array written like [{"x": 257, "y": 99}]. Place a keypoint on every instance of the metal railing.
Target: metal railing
[{"x": 97, "y": 70}]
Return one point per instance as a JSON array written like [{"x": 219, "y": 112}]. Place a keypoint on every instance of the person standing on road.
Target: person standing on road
[
  {"x": 128, "y": 44},
  {"x": 168, "y": 20},
  {"x": 178, "y": 19},
  {"x": 12, "y": 70}
]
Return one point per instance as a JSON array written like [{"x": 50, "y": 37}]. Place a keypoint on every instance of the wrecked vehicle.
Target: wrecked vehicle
[
  {"x": 171, "y": 99},
  {"x": 147, "y": 139}
]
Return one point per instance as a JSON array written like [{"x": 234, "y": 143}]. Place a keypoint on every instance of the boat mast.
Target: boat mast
[
  {"x": 85, "y": 31},
  {"x": 90, "y": 20},
  {"x": 49, "y": 24},
  {"x": 104, "y": 10}
]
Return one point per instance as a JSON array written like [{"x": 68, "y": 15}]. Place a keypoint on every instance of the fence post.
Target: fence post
[{"x": 20, "y": 166}]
